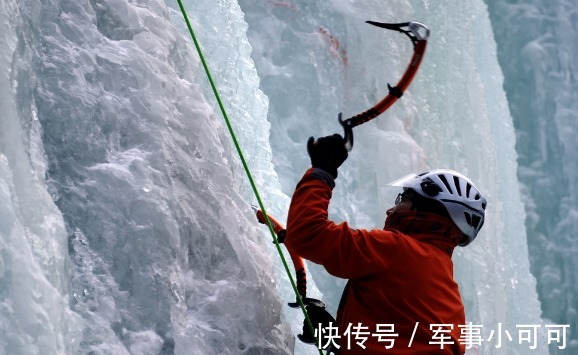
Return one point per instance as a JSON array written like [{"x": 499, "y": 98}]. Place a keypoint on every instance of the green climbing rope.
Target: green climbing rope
[{"x": 245, "y": 166}]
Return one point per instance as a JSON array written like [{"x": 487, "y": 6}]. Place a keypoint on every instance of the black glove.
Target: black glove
[
  {"x": 327, "y": 153},
  {"x": 317, "y": 315}
]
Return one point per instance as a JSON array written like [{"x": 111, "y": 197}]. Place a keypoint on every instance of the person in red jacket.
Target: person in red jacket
[{"x": 401, "y": 296}]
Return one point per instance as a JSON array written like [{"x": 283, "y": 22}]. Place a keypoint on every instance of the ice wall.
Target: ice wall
[
  {"x": 316, "y": 59},
  {"x": 537, "y": 48},
  {"x": 125, "y": 226},
  {"x": 125, "y": 221},
  {"x": 34, "y": 305}
]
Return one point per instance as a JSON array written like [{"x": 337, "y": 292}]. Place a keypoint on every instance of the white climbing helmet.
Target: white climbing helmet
[{"x": 464, "y": 202}]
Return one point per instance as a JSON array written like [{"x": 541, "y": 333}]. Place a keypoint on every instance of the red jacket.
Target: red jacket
[{"x": 404, "y": 279}]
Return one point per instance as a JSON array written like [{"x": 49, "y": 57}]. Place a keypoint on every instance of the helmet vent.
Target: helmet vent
[
  {"x": 476, "y": 221},
  {"x": 457, "y": 183},
  {"x": 443, "y": 179},
  {"x": 468, "y": 188},
  {"x": 477, "y": 197},
  {"x": 473, "y": 220},
  {"x": 468, "y": 218},
  {"x": 484, "y": 206}
]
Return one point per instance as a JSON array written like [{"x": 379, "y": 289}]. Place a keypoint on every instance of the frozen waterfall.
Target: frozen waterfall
[{"x": 125, "y": 219}]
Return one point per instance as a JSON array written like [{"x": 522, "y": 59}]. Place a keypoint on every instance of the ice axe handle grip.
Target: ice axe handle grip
[{"x": 347, "y": 132}]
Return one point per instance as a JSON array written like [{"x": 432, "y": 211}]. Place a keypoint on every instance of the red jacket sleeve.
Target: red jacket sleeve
[{"x": 344, "y": 252}]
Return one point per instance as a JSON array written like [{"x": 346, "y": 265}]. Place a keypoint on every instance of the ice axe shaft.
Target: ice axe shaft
[{"x": 418, "y": 34}]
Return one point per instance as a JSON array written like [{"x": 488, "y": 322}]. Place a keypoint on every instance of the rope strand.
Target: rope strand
[{"x": 247, "y": 171}]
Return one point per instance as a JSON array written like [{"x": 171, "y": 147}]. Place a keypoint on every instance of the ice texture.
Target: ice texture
[
  {"x": 126, "y": 226},
  {"x": 537, "y": 49},
  {"x": 125, "y": 220}
]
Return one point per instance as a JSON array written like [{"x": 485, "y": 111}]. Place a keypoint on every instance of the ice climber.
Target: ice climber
[{"x": 401, "y": 296}]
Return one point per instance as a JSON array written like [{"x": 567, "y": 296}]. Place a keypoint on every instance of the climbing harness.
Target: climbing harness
[{"x": 418, "y": 34}]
